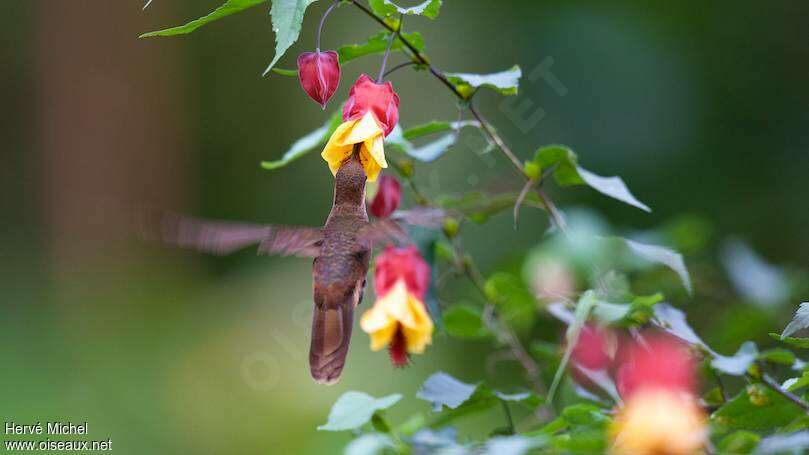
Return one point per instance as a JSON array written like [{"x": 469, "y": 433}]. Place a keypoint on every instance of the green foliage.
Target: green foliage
[
  {"x": 377, "y": 44},
  {"x": 385, "y": 8},
  {"x": 465, "y": 322},
  {"x": 354, "y": 409},
  {"x": 757, "y": 408},
  {"x": 504, "y": 82},
  {"x": 287, "y": 16},
  {"x": 799, "y": 322},
  {"x": 307, "y": 143},
  {"x": 226, "y": 9}
]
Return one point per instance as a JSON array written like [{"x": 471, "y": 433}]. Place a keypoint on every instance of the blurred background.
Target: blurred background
[{"x": 702, "y": 108}]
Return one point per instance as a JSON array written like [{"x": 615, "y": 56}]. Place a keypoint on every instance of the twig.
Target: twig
[
  {"x": 387, "y": 54},
  {"x": 769, "y": 382},
  {"x": 507, "y": 412},
  {"x": 399, "y": 66},
  {"x": 323, "y": 21}
]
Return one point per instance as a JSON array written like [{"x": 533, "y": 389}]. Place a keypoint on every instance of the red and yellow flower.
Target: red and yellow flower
[
  {"x": 660, "y": 414},
  {"x": 387, "y": 197},
  {"x": 319, "y": 74},
  {"x": 369, "y": 115},
  {"x": 399, "y": 318}
]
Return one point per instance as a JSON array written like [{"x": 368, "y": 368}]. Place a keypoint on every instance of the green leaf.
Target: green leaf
[
  {"x": 739, "y": 442},
  {"x": 370, "y": 444},
  {"x": 567, "y": 172},
  {"x": 437, "y": 126},
  {"x": 756, "y": 409},
  {"x": 778, "y": 355},
  {"x": 307, "y": 143},
  {"x": 673, "y": 321},
  {"x": 377, "y": 44},
  {"x": 583, "y": 308},
  {"x": 287, "y": 16},
  {"x": 512, "y": 445},
  {"x": 464, "y": 321},
  {"x": 226, "y": 9},
  {"x": 285, "y": 72},
  {"x": 354, "y": 409},
  {"x": 798, "y": 322},
  {"x": 798, "y": 383},
  {"x": 802, "y": 343},
  {"x": 515, "y": 303},
  {"x": 385, "y": 8},
  {"x": 442, "y": 390},
  {"x": 737, "y": 364},
  {"x": 432, "y": 150},
  {"x": 784, "y": 443},
  {"x": 664, "y": 256},
  {"x": 505, "y": 82}
]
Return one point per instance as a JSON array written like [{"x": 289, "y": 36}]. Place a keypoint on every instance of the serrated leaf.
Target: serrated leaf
[
  {"x": 428, "y": 8},
  {"x": 369, "y": 444},
  {"x": 798, "y": 322},
  {"x": 226, "y": 9},
  {"x": 504, "y": 82},
  {"x": 664, "y": 256},
  {"x": 737, "y": 364},
  {"x": 307, "y": 143},
  {"x": 354, "y": 409},
  {"x": 377, "y": 44},
  {"x": 464, "y": 322},
  {"x": 442, "y": 390},
  {"x": 287, "y": 17},
  {"x": 757, "y": 409},
  {"x": 783, "y": 443}
]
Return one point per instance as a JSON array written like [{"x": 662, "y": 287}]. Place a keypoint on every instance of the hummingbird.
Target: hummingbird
[{"x": 341, "y": 250}]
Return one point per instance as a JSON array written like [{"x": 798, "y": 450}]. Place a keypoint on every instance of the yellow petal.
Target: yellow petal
[
  {"x": 337, "y": 151},
  {"x": 396, "y": 303},
  {"x": 380, "y": 325},
  {"x": 418, "y": 336},
  {"x": 371, "y": 167},
  {"x": 363, "y": 129}
]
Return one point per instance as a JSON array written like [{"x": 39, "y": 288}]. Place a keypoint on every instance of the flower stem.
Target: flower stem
[
  {"x": 323, "y": 21},
  {"x": 385, "y": 59}
]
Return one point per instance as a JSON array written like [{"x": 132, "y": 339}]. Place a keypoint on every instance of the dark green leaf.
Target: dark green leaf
[
  {"x": 505, "y": 82},
  {"x": 756, "y": 409},
  {"x": 802, "y": 343},
  {"x": 377, "y": 44},
  {"x": 287, "y": 17},
  {"x": 464, "y": 321},
  {"x": 285, "y": 72},
  {"x": 798, "y": 383},
  {"x": 307, "y": 143},
  {"x": 739, "y": 442},
  {"x": 778, "y": 355},
  {"x": 437, "y": 127},
  {"x": 583, "y": 308},
  {"x": 427, "y": 8},
  {"x": 354, "y": 409},
  {"x": 226, "y": 9}
]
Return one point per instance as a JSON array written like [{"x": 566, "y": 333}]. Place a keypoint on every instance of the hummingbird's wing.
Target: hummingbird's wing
[
  {"x": 225, "y": 237},
  {"x": 389, "y": 230},
  {"x": 429, "y": 217}
]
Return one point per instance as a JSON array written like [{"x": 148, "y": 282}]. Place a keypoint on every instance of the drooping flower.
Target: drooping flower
[
  {"x": 319, "y": 73},
  {"x": 592, "y": 349},
  {"x": 660, "y": 412},
  {"x": 370, "y": 114},
  {"x": 387, "y": 198},
  {"x": 399, "y": 318}
]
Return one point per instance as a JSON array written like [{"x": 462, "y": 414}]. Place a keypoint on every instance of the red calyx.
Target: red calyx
[
  {"x": 387, "y": 198},
  {"x": 380, "y": 99},
  {"x": 319, "y": 73},
  {"x": 398, "y": 350},
  {"x": 591, "y": 349},
  {"x": 662, "y": 362},
  {"x": 394, "y": 264}
]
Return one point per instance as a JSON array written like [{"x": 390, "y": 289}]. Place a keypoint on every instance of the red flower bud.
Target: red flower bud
[
  {"x": 394, "y": 264},
  {"x": 660, "y": 362},
  {"x": 591, "y": 349},
  {"x": 319, "y": 73},
  {"x": 380, "y": 99},
  {"x": 387, "y": 198}
]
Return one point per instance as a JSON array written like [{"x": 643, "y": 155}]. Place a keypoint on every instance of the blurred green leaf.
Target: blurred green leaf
[
  {"x": 287, "y": 17},
  {"x": 226, "y": 9},
  {"x": 505, "y": 82},
  {"x": 664, "y": 256},
  {"x": 444, "y": 391},
  {"x": 739, "y": 442},
  {"x": 802, "y": 343},
  {"x": 512, "y": 445},
  {"x": 515, "y": 303},
  {"x": 798, "y": 322},
  {"x": 354, "y": 409},
  {"x": 585, "y": 305},
  {"x": 777, "y": 355},
  {"x": 428, "y": 8},
  {"x": 437, "y": 126},
  {"x": 377, "y": 44},
  {"x": 370, "y": 444},
  {"x": 737, "y": 364},
  {"x": 798, "y": 383},
  {"x": 307, "y": 143},
  {"x": 757, "y": 409},
  {"x": 464, "y": 322}
]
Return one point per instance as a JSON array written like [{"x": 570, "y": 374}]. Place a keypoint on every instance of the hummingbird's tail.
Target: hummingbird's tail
[{"x": 331, "y": 335}]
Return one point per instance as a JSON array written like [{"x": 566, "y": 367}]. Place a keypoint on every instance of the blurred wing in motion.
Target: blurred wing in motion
[
  {"x": 225, "y": 237},
  {"x": 428, "y": 217}
]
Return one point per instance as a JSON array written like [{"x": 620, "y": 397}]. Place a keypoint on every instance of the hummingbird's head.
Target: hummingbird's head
[{"x": 349, "y": 185}]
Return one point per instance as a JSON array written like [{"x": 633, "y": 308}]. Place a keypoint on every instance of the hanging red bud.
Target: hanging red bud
[
  {"x": 319, "y": 73},
  {"x": 387, "y": 198},
  {"x": 367, "y": 95}
]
